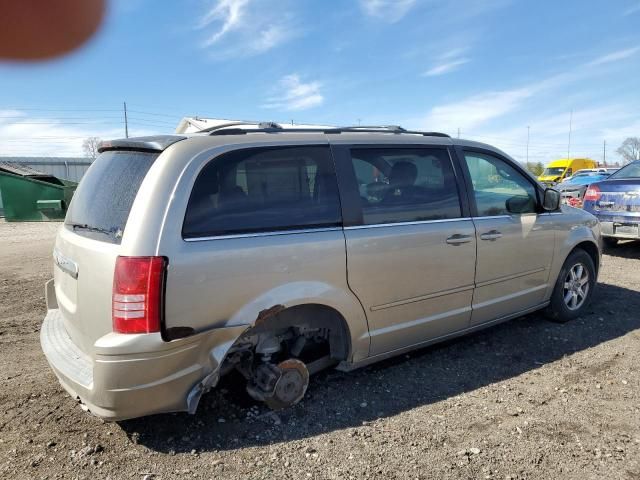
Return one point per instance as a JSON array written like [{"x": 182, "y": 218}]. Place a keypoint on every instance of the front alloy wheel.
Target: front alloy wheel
[{"x": 574, "y": 287}]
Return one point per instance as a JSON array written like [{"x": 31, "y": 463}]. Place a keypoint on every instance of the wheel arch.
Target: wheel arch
[
  {"x": 304, "y": 301},
  {"x": 591, "y": 249},
  {"x": 311, "y": 315}
]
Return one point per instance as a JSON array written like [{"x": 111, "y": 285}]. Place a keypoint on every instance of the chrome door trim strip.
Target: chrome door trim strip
[
  {"x": 419, "y": 321},
  {"x": 510, "y": 277},
  {"x": 498, "y": 301},
  {"x": 264, "y": 234},
  {"x": 422, "y": 297},
  {"x": 403, "y": 224}
]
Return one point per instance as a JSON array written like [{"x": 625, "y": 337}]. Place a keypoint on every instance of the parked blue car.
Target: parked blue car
[
  {"x": 616, "y": 203},
  {"x": 572, "y": 190}
]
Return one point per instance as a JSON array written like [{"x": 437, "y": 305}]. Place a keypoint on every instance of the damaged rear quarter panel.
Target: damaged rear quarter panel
[{"x": 228, "y": 281}]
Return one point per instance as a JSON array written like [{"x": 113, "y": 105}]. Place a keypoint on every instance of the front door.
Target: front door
[
  {"x": 515, "y": 240},
  {"x": 411, "y": 252}
]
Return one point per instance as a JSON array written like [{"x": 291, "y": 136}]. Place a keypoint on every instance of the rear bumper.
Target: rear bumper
[
  {"x": 133, "y": 375},
  {"x": 626, "y": 230}
]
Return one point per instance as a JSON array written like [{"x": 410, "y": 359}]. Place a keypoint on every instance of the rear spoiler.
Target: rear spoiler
[{"x": 156, "y": 143}]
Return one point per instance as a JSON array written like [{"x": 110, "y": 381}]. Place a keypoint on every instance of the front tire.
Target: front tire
[{"x": 574, "y": 288}]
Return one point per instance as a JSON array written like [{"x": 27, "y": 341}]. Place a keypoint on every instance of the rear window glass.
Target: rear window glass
[
  {"x": 629, "y": 171},
  {"x": 264, "y": 189},
  {"x": 103, "y": 200}
]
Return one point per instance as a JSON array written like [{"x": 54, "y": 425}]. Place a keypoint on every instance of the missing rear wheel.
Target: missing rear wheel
[{"x": 280, "y": 386}]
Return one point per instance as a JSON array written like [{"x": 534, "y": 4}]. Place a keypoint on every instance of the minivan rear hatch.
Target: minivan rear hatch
[{"x": 88, "y": 244}]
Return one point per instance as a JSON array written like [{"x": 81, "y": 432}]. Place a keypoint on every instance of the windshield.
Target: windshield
[
  {"x": 553, "y": 171},
  {"x": 583, "y": 179},
  {"x": 629, "y": 171},
  {"x": 103, "y": 200}
]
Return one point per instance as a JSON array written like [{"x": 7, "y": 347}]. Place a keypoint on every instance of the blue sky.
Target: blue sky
[{"x": 490, "y": 68}]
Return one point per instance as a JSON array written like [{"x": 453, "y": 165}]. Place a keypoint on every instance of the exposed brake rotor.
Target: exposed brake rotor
[{"x": 280, "y": 386}]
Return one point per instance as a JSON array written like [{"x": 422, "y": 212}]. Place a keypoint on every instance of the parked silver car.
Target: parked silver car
[{"x": 280, "y": 252}]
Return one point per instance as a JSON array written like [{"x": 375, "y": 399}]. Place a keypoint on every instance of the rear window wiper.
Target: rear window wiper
[{"x": 116, "y": 232}]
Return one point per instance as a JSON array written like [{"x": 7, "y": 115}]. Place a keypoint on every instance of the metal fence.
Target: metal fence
[{"x": 68, "y": 168}]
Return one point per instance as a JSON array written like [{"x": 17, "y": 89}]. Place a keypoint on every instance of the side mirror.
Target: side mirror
[
  {"x": 520, "y": 204},
  {"x": 551, "y": 200}
]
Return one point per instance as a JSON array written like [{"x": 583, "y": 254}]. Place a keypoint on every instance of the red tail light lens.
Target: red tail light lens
[
  {"x": 575, "y": 202},
  {"x": 137, "y": 294},
  {"x": 593, "y": 193}
]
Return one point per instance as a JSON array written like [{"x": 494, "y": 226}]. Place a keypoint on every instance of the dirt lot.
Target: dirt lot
[{"x": 527, "y": 399}]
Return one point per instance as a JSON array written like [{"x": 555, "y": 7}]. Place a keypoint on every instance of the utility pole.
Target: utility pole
[
  {"x": 570, "y": 124},
  {"x": 458, "y": 132},
  {"x": 528, "y": 128},
  {"x": 604, "y": 152},
  {"x": 126, "y": 123}
]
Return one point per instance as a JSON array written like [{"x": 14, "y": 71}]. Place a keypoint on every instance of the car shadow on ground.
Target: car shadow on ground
[
  {"x": 227, "y": 419},
  {"x": 625, "y": 249}
]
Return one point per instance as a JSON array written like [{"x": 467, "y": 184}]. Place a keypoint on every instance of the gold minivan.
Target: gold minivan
[{"x": 279, "y": 252}]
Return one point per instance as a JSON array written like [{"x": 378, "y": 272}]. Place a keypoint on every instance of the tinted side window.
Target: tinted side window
[
  {"x": 405, "y": 185},
  {"x": 499, "y": 188},
  {"x": 264, "y": 189}
]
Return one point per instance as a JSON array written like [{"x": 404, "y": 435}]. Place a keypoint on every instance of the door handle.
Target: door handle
[
  {"x": 458, "y": 239},
  {"x": 491, "y": 235}
]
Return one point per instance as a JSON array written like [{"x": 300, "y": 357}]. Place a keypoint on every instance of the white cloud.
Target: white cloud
[
  {"x": 389, "y": 10},
  {"x": 549, "y": 132},
  {"x": 479, "y": 109},
  {"x": 445, "y": 67},
  {"x": 229, "y": 13},
  {"x": 269, "y": 38},
  {"x": 447, "y": 62},
  {"x": 632, "y": 10},
  {"x": 24, "y": 135},
  {"x": 240, "y": 28},
  {"x": 296, "y": 95},
  {"x": 614, "y": 56},
  {"x": 476, "y": 110}
]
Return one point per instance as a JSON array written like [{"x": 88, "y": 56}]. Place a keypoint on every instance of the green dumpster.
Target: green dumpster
[{"x": 29, "y": 195}]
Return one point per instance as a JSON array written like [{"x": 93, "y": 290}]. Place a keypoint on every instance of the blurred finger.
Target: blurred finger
[{"x": 42, "y": 29}]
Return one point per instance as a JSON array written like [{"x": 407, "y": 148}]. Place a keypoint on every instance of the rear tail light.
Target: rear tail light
[
  {"x": 138, "y": 285},
  {"x": 592, "y": 194},
  {"x": 575, "y": 202}
]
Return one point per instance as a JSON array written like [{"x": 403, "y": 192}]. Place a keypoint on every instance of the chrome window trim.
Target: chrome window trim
[
  {"x": 403, "y": 224},
  {"x": 489, "y": 217},
  {"x": 270, "y": 233}
]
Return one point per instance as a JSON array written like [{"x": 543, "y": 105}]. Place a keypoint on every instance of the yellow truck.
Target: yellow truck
[{"x": 560, "y": 169}]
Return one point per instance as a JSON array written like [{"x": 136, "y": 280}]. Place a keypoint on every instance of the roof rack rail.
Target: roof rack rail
[
  {"x": 392, "y": 128},
  {"x": 272, "y": 127},
  {"x": 225, "y": 125}
]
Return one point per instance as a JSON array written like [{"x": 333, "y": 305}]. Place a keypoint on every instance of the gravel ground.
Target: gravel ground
[{"x": 526, "y": 399}]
